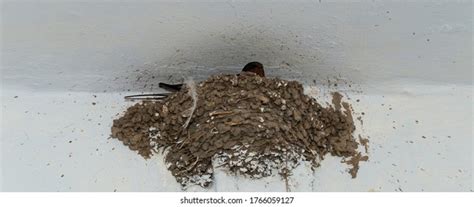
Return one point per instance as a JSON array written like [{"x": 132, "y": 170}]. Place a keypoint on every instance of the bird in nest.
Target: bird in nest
[{"x": 252, "y": 67}]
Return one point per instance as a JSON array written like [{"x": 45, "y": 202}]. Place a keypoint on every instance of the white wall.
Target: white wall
[{"x": 87, "y": 45}]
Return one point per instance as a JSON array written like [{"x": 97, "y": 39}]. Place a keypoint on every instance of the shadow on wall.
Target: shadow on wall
[
  {"x": 284, "y": 54},
  {"x": 124, "y": 47}
]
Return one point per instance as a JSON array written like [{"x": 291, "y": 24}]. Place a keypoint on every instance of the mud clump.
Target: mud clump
[{"x": 246, "y": 124}]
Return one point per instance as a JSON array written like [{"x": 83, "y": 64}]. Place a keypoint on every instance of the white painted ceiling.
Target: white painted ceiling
[{"x": 120, "y": 46}]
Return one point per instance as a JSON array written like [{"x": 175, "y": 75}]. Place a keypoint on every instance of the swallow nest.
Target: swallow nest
[{"x": 247, "y": 125}]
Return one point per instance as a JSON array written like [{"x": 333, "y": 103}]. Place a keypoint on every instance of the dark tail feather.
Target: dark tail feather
[
  {"x": 171, "y": 87},
  {"x": 157, "y": 96},
  {"x": 151, "y": 96}
]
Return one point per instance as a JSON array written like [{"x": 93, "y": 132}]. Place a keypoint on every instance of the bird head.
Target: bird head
[{"x": 254, "y": 67}]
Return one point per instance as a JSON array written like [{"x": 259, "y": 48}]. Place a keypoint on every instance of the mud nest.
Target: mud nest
[{"x": 246, "y": 124}]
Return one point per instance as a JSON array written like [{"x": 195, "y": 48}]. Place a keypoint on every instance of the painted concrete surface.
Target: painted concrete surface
[{"x": 65, "y": 68}]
